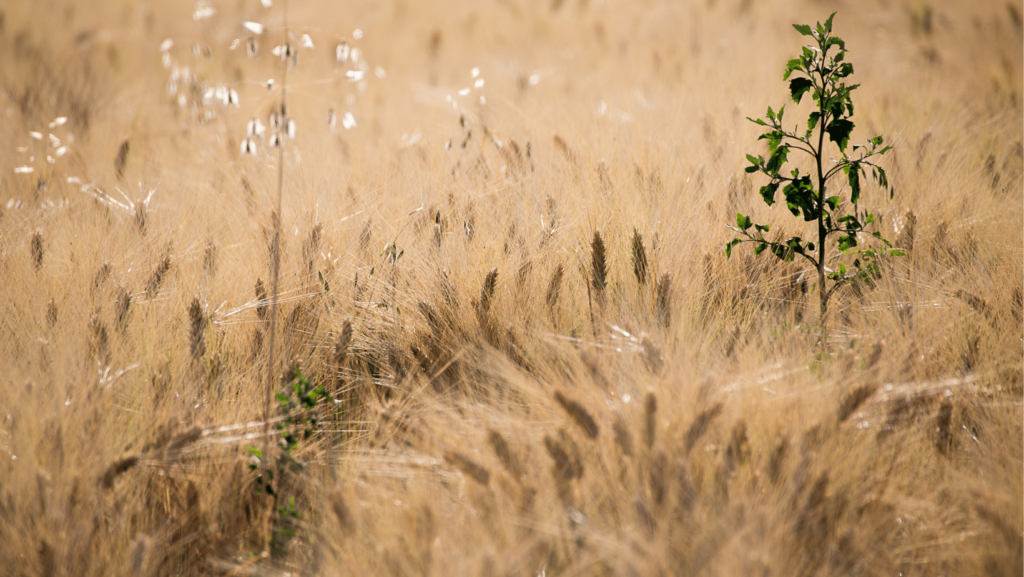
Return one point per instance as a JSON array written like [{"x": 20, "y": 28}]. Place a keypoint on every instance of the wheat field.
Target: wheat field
[{"x": 501, "y": 239}]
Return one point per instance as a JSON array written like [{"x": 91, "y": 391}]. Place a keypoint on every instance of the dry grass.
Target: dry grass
[{"x": 517, "y": 393}]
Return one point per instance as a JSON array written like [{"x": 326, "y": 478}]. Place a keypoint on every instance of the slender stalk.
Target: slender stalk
[
  {"x": 823, "y": 295},
  {"x": 275, "y": 259}
]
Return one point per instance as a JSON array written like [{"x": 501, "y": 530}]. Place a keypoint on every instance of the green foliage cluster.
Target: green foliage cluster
[
  {"x": 297, "y": 422},
  {"x": 821, "y": 70}
]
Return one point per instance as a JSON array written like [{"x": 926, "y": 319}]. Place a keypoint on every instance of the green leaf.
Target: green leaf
[
  {"x": 876, "y": 140},
  {"x": 791, "y": 66},
  {"x": 803, "y": 29},
  {"x": 777, "y": 159},
  {"x": 839, "y": 132},
  {"x": 743, "y": 222},
  {"x": 854, "y": 178},
  {"x": 254, "y": 451},
  {"x": 812, "y": 121},
  {"x": 760, "y": 248},
  {"x": 897, "y": 252},
  {"x": 729, "y": 245},
  {"x": 833, "y": 202},
  {"x": 828, "y": 23},
  {"x": 798, "y": 86},
  {"x": 768, "y": 192}
]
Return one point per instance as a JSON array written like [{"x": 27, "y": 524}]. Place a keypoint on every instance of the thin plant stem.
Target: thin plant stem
[{"x": 275, "y": 258}]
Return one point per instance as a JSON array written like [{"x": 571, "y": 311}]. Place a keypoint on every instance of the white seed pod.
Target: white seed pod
[
  {"x": 291, "y": 129},
  {"x": 61, "y": 151},
  {"x": 248, "y": 146},
  {"x": 348, "y": 121},
  {"x": 54, "y": 141},
  {"x": 306, "y": 41},
  {"x": 277, "y": 51},
  {"x": 254, "y": 27},
  {"x": 479, "y": 83},
  {"x": 341, "y": 52},
  {"x": 354, "y": 75},
  {"x": 464, "y": 92},
  {"x": 203, "y": 11},
  {"x": 475, "y": 72},
  {"x": 357, "y": 34},
  {"x": 233, "y": 98},
  {"x": 275, "y": 140},
  {"x": 166, "y": 45},
  {"x": 24, "y": 170},
  {"x": 255, "y": 128},
  {"x": 267, "y": 3},
  {"x": 36, "y": 135}
]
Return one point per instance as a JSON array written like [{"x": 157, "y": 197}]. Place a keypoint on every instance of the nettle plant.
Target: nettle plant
[{"x": 822, "y": 75}]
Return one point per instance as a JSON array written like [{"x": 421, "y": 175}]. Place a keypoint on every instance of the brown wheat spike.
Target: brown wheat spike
[
  {"x": 157, "y": 278},
  {"x": 552, "y": 214},
  {"x": 906, "y": 238},
  {"x": 117, "y": 468},
  {"x": 944, "y": 440},
  {"x": 311, "y": 247},
  {"x": 210, "y": 258},
  {"x": 197, "y": 322},
  {"x": 121, "y": 160},
  {"x": 99, "y": 339},
  {"x": 505, "y": 454},
  {"x": 51, "y": 313},
  {"x": 342, "y": 512},
  {"x": 975, "y": 302},
  {"x": 262, "y": 304},
  {"x": 139, "y": 557},
  {"x": 102, "y": 274},
  {"x": 342, "y": 344},
  {"x": 140, "y": 217},
  {"x": 37, "y": 248},
  {"x": 598, "y": 264},
  {"x": 469, "y": 467},
  {"x": 656, "y": 478},
  {"x": 579, "y": 415},
  {"x": 652, "y": 355},
  {"x": 567, "y": 466},
  {"x": 554, "y": 288},
  {"x": 177, "y": 444},
  {"x": 639, "y": 258},
  {"x": 650, "y": 419},
  {"x": 47, "y": 559},
  {"x": 664, "y": 301},
  {"x": 365, "y": 236},
  {"x": 854, "y": 400},
  {"x": 122, "y": 308},
  {"x": 487, "y": 290},
  {"x": 622, "y": 437},
  {"x": 562, "y": 147},
  {"x": 777, "y": 460},
  {"x": 700, "y": 425}
]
